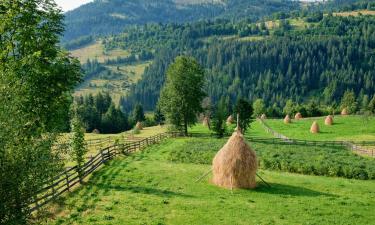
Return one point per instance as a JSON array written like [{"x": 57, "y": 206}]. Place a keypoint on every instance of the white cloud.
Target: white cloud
[{"x": 67, "y": 5}]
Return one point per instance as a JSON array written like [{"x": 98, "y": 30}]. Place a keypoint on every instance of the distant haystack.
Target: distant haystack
[
  {"x": 206, "y": 121},
  {"x": 263, "y": 117},
  {"x": 235, "y": 165},
  {"x": 230, "y": 120},
  {"x": 298, "y": 116},
  {"x": 344, "y": 112},
  {"x": 96, "y": 131},
  {"x": 329, "y": 120},
  {"x": 287, "y": 119},
  {"x": 315, "y": 128},
  {"x": 139, "y": 126}
]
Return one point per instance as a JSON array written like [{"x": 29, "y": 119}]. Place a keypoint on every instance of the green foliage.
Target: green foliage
[
  {"x": 218, "y": 122},
  {"x": 259, "y": 108},
  {"x": 311, "y": 160},
  {"x": 349, "y": 102},
  {"x": 291, "y": 64},
  {"x": 245, "y": 111},
  {"x": 181, "y": 97},
  {"x": 138, "y": 114},
  {"x": 110, "y": 17},
  {"x": 289, "y": 108},
  {"x": 36, "y": 78},
  {"x": 159, "y": 117},
  {"x": 78, "y": 145},
  {"x": 99, "y": 112}
]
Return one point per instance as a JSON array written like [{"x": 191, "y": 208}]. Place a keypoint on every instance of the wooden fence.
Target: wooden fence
[
  {"x": 69, "y": 178},
  {"x": 357, "y": 147}
]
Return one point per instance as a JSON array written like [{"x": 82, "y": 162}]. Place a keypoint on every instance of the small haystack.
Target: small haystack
[
  {"x": 263, "y": 117},
  {"x": 235, "y": 165},
  {"x": 96, "y": 131},
  {"x": 329, "y": 120},
  {"x": 298, "y": 116},
  {"x": 287, "y": 119},
  {"x": 230, "y": 120},
  {"x": 139, "y": 126},
  {"x": 314, "y": 128},
  {"x": 206, "y": 121},
  {"x": 344, "y": 112}
]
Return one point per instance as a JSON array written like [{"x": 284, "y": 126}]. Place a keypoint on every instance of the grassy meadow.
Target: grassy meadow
[
  {"x": 345, "y": 128},
  {"x": 150, "y": 187}
]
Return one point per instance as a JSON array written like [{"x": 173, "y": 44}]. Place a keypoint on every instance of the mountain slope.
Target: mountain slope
[{"x": 103, "y": 17}]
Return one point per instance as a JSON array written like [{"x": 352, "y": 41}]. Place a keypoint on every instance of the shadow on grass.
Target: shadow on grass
[
  {"x": 283, "y": 189},
  {"x": 144, "y": 190}
]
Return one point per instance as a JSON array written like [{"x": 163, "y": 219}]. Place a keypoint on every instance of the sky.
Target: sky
[{"x": 67, "y": 5}]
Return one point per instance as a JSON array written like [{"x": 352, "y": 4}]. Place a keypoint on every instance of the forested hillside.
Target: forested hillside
[
  {"x": 317, "y": 60},
  {"x": 103, "y": 17}
]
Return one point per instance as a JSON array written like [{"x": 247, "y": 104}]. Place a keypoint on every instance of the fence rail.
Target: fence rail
[
  {"x": 69, "y": 178},
  {"x": 357, "y": 147}
]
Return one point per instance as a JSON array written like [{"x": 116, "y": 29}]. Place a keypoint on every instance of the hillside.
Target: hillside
[{"x": 103, "y": 17}]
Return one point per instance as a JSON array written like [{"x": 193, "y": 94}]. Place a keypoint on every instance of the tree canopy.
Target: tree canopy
[{"x": 181, "y": 97}]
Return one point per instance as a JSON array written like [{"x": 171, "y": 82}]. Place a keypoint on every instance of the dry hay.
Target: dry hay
[
  {"x": 344, "y": 112},
  {"x": 287, "y": 119},
  {"x": 206, "y": 122},
  {"x": 298, "y": 116},
  {"x": 263, "y": 117},
  {"x": 96, "y": 131},
  {"x": 235, "y": 165},
  {"x": 329, "y": 120},
  {"x": 230, "y": 120},
  {"x": 314, "y": 128},
  {"x": 139, "y": 126}
]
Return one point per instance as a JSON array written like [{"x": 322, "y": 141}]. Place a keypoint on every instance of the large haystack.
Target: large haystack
[
  {"x": 139, "y": 126},
  {"x": 263, "y": 117},
  {"x": 329, "y": 120},
  {"x": 235, "y": 165},
  {"x": 298, "y": 116},
  {"x": 314, "y": 128},
  {"x": 344, "y": 112},
  {"x": 230, "y": 120},
  {"x": 206, "y": 122},
  {"x": 287, "y": 119}
]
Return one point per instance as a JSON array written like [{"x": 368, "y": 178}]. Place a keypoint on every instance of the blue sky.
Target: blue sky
[{"x": 67, "y": 5}]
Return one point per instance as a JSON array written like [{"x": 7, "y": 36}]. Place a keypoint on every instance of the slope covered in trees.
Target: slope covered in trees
[
  {"x": 110, "y": 17},
  {"x": 320, "y": 62}
]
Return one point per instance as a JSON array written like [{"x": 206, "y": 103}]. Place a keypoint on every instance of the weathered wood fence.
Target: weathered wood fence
[
  {"x": 69, "y": 178},
  {"x": 357, "y": 147}
]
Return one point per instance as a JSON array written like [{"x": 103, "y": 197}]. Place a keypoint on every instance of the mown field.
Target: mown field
[
  {"x": 345, "y": 128},
  {"x": 158, "y": 186}
]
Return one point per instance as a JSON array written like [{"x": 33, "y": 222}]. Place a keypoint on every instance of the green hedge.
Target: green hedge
[{"x": 311, "y": 160}]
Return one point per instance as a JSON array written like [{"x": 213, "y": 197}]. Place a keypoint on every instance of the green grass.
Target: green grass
[
  {"x": 148, "y": 188},
  {"x": 349, "y": 128}
]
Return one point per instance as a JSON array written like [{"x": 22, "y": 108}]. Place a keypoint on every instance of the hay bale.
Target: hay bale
[
  {"x": 329, "y": 120},
  {"x": 230, "y": 120},
  {"x": 96, "y": 131},
  {"x": 235, "y": 165},
  {"x": 298, "y": 116},
  {"x": 314, "y": 128},
  {"x": 344, "y": 112},
  {"x": 287, "y": 119},
  {"x": 139, "y": 126},
  {"x": 263, "y": 117},
  {"x": 206, "y": 122}
]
